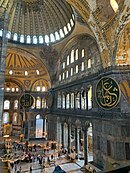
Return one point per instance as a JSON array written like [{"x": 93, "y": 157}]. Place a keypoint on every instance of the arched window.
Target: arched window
[
  {"x": 28, "y": 39},
  {"x": 38, "y": 103},
  {"x": 57, "y": 36},
  {"x": 15, "y": 118},
  {"x": 68, "y": 60},
  {"x": 63, "y": 101},
  {"x": 69, "y": 27},
  {"x": 34, "y": 39},
  {"x": 22, "y": 38},
  {"x": 9, "y": 35},
  {"x": 40, "y": 39},
  {"x": 61, "y": 33},
  {"x": 43, "y": 88},
  {"x": 65, "y": 30},
  {"x": 38, "y": 88},
  {"x": 5, "y": 118},
  {"x": 72, "y": 56},
  {"x": 83, "y": 100},
  {"x": 72, "y": 23},
  {"x": 90, "y": 98},
  {"x": 6, "y": 104},
  {"x": 44, "y": 105},
  {"x": 59, "y": 101},
  {"x": 52, "y": 38},
  {"x": 83, "y": 53},
  {"x": 16, "y": 104},
  {"x": 15, "y": 38},
  {"x": 82, "y": 66},
  {"x": 46, "y": 39},
  {"x": 78, "y": 100},
  {"x": 77, "y": 54},
  {"x": 72, "y": 100},
  {"x": 39, "y": 126},
  {"x": 67, "y": 101},
  {"x": 89, "y": 63}
]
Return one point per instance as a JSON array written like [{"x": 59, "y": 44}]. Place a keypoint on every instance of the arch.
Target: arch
[{"x": 6, "y": 104}]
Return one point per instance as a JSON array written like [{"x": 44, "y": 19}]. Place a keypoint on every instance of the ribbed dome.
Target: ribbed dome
[{"x": 38, "y": 21}]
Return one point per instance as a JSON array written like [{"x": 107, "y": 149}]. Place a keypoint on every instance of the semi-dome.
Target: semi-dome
[{"x": 38, "y": 21}]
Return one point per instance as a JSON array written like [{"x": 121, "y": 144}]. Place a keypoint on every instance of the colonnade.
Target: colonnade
[{"x": 78, "y": 129}]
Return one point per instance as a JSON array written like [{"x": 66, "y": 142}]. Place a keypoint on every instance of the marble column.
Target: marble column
[
  {"x": 69, "y": 137},
  {"x": 87, "y": 100},
  {"x": 62, "y": 137},
  {"x": 77, "y": 142}
]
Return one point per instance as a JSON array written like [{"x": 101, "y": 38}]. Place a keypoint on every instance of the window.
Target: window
[
  {"x": 114, "y": 5},
  {"x": 67, "y": 101},
  {"x": 63, "y": 65},
  {"x": 78, "y": 101},
  {"x": 43, "y": 88},
  {"x": 72, "y": 23},
  {"x": 63, "y": 76},
  {"x": 15, "y": 38},
  {"x": 89, "y": 63},
  {"x": 65, "y": 30},
  {"x": 90, "y": 98},
  {"x": 39, "y": 126},
  {"x": 1, "y": 33},
  {"x": 72, "y": 56},
  {"x": 5, "y": 118},
  {"x": 15, "y": 118},
  {"x": 28, "y": 39},
  {"x": 52, "y": 38},
  {"x": 38, "y": 103},
  {"x": 40, "y": 39},
  {"x": 11, "y": 72},
  {"x": 44, "y": 105},
  {"x": 71, "y": 73},
  {"x": 9, "y": 35},
  {"x": 17, "y": 89},
  {"x": 83, "y": 53},
  {"x": 34, "y": 39},
  {"x": 59, "y": 101},
  {"x": 72, "y": 100},
  {"x": 68, "y": 60},
  {"x": 67, "y": 74},
  {"x": 63, "y": 101},
  {"x": 22, "y": 38},
  {"x": 26, "y": 73},
  {"x": 77, "y": 55},
  {"x": 13, "y": 89},
  {"x": 61, "y": 33},
  {"x": 69, "y": 27},
  {"x": 16, "y": 104},
  {"x": 38, "y": 88},
  {"x": 37, "y": 71},
  {"x": 57, "y": 36},
  {"x": 6, "y": 104},
  {"x": 77, "y": 69},
  {"x": 82, "y": 66},
  {"x": 83, "y": 100},
  {"x": 46, "y": 39},
  {"x": 7, "y": 89},
  {"x": 59, "y": 77}
]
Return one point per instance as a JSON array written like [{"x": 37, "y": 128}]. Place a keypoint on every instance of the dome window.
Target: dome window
[
  {"x": 10, "y": 72},
  {"x": 17, "y": 89},
  {"x": 46, "y": 39},
  {"x": 43, "y": 88},
  {"x": 40, "y": 39},
  {"x": 9, "y": 35},
  {"x": 15, "y": 38},
  {"x": 72, "y": 23},
  {"x": 69, "y": 27},
  {"x": 61, "y": 33},
  {"x": 34, "y": 39},
  {"x": 26, "y": 73},
  {"x": 38, "y": 88},
  {"x": 65, "y": 30},
  {"x": 28, "y": 39},
  {"x": 57, "y": 36},
  {"x": 37, "y": 71},
  {"x": 52, "y": 38},
  {"x": 22, "y": 38}
]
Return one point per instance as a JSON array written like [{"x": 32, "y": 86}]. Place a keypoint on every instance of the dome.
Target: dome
[{"x": 38, "y": 21}]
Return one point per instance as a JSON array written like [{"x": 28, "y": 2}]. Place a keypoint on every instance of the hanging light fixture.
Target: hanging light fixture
[{"x": 114, "y": 5}]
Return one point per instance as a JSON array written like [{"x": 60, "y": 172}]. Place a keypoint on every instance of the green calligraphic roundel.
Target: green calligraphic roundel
[
  {"x": 107, "y": 93},
  {"x": 26, "y": 100}
]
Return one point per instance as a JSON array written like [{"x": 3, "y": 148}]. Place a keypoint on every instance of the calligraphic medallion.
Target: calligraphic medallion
[
  {"x": 26, "y": 100},
  {"x": 107, "y": 93}
]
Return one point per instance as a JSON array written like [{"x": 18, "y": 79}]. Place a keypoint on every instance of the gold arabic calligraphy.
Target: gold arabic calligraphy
[{"x": 107, "y": 93}]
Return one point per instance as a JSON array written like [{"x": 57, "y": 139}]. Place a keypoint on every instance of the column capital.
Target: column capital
[{"x": 85, "y": 125}]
